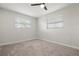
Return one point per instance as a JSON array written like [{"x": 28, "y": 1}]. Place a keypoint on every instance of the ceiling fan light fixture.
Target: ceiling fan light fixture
[{"x": 42, "y": 5}]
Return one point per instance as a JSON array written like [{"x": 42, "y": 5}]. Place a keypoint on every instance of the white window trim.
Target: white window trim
[
  {"x": 20, "y": 24},
  {"x": 55, "y": 22}
]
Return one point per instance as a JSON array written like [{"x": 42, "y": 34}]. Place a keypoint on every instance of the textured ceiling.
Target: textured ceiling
[{"x": 34, "y": 11}]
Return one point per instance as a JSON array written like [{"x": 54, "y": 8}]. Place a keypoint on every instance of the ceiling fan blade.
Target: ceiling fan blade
[
  {"x": 45, "y": 8},
  {"x": 35, "y": 4}
]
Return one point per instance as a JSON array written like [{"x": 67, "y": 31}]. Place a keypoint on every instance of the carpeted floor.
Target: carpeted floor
[{"x": 37, "y": 48}]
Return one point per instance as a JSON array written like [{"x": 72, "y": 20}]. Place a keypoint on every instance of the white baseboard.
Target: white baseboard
[
  {"x": 75, "y": 47},
  {"x": 14, "y": 42}
]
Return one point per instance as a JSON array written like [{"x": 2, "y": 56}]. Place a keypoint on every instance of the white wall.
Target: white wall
[
  {"x": 9, "y": 33},
  {"x": 69, "y": 35}
]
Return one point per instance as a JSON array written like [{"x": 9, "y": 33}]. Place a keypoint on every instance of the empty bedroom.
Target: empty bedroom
[{"x": 39, "y": 29}]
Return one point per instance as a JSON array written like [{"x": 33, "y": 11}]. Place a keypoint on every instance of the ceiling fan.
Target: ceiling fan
[{"x": 42, "y": 5}]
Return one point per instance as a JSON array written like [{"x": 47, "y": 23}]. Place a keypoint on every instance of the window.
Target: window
[
  {"x": 22, "y": 23},
  {"x": 55, "y": 23}
]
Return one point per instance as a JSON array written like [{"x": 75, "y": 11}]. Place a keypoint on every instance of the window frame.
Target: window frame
[
  {"x": 19, "y": 23},
  {"x": 54, "y": 21}
]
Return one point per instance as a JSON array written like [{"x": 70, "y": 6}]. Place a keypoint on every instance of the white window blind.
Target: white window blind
[
  {"x": 22, "y": 23},
  {"x": 55, "y": 22}
]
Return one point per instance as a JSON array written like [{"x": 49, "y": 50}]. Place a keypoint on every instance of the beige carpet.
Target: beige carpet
[{"x": 37, "y": 48}]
